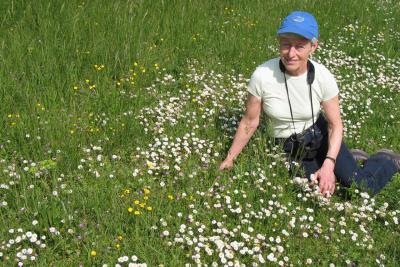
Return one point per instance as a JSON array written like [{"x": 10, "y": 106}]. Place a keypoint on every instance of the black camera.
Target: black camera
[{"x": 304, "y": 145}]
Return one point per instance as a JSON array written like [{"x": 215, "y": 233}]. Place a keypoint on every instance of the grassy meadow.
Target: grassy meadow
[{"x": 115, "y": 116}]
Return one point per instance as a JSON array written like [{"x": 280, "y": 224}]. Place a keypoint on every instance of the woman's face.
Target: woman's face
[{"x": 295, "y": 51}]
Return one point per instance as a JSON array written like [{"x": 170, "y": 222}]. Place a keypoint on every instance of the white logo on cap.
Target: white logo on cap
[{"x": 298, "y": 19}]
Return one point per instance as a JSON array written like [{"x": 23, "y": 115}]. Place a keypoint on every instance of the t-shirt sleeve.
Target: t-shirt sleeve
[
  {"x": 254, "y": 86},
  {"x": 330, "y": 88}
]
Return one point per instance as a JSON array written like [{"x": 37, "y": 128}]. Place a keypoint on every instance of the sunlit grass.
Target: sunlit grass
[{"x": 115, "y": 116}]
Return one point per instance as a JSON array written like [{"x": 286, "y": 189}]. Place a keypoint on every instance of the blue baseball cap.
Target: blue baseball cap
[{"x": 301, "y": 23}]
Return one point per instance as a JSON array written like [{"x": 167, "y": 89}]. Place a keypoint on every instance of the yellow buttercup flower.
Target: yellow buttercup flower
[{"x": 150, "y": 164}]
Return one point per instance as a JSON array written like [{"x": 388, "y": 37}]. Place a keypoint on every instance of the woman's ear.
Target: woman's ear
[{"x": 314, "y": 46}]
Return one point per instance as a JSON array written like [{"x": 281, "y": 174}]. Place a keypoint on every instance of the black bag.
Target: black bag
[{"x": 304, "y": 145}]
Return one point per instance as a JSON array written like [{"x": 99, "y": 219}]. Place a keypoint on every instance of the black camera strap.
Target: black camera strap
[{"x": 310, "y": 80}]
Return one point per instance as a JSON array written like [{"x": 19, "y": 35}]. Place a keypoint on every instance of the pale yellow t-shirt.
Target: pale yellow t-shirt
[{"x": 268, "y": 84}]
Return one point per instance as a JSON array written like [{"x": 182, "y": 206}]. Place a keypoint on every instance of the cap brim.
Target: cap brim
[{"x": 295, "y": 30}]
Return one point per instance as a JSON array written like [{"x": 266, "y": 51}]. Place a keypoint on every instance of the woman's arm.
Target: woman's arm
[
  {"x": 247, "y": 126},
  {"x": 325, "y": 175}
]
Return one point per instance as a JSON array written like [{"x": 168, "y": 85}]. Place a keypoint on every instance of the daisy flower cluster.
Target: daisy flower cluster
[
  {"x": 96, "y": 163},
  {"x": 365, "y": 80},
  {"x": 22, "y": 245},
  {"x": 252, "y": 224},
  {"x": 131, "y": 261},
  {"x": 194, "y": 108}
]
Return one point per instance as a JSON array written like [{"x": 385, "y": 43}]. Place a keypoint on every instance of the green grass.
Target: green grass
[{"x": 89, "y": 123}]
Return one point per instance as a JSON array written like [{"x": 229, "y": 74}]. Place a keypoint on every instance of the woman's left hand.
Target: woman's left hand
[
  {"x": 325, "y": 175},
  {"x": 326, "y": 178}
]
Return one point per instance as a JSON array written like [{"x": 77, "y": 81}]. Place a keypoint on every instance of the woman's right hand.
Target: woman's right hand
[
  {"x": 226, "y": 164},
  {"x": 247, "y": 126}
]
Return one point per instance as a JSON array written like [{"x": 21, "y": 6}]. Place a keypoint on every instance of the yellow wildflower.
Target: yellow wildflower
[{"x": 150, "y": 164}]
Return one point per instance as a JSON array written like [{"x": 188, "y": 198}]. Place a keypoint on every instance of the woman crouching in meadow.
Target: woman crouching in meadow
[{"x": 291, "y": 90}]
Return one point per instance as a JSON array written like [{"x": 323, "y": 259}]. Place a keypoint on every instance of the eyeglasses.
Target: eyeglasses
[{"x": 287, "y": 47}]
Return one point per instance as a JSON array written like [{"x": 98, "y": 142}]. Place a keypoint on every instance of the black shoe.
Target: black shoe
[
  {"x": 390, "y": 154},
  {"x": 359, "y": 155}
]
